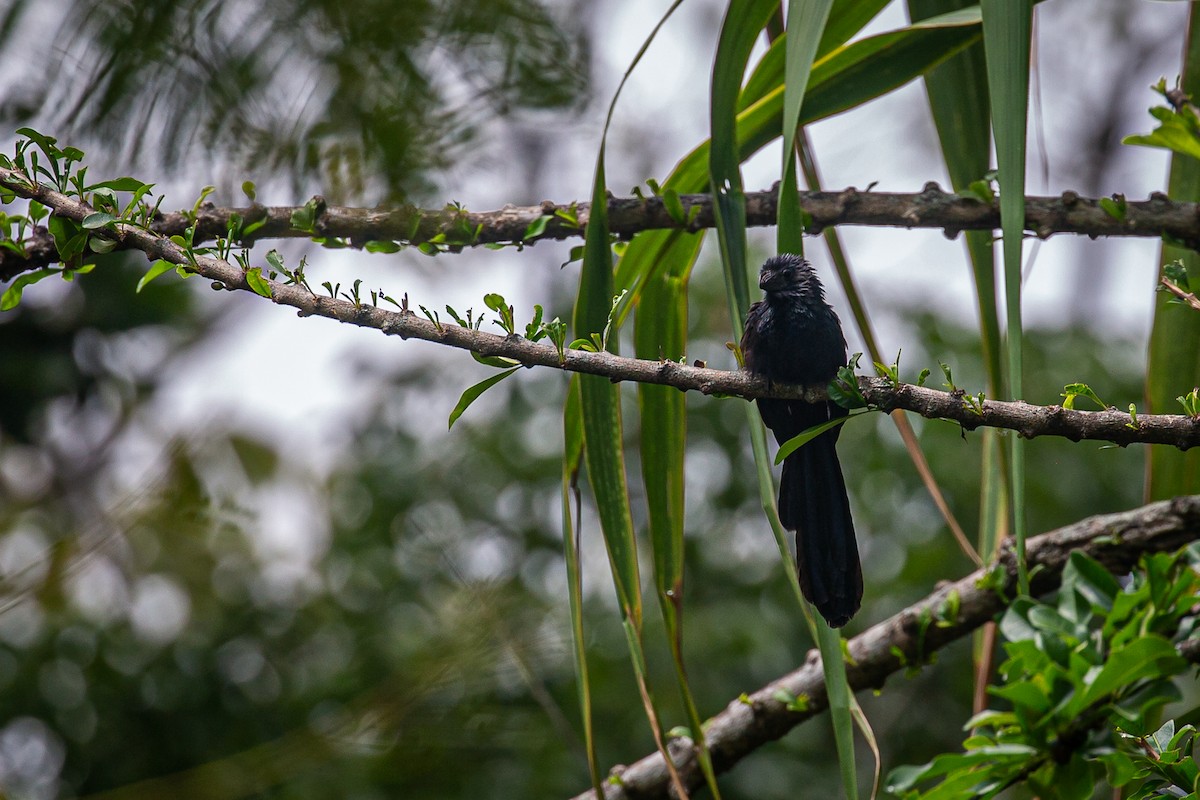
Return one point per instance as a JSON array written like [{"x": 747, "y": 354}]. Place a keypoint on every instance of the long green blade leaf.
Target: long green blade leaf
[
  {"x": 1174, "y": 362},
  {"x": 572, "y": 455},
  {"x": 601, "y": 411},
  {"x": 743, "y": 22},
  {"x": 1007, "y": 28},
  {"x": 806, "y": 22}
]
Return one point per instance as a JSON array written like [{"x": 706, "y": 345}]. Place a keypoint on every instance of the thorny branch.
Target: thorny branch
[
  {"x": 1027, "y": 420},
  {"x": 457, "y": 228},
  {"x": 912, "y": 636}
]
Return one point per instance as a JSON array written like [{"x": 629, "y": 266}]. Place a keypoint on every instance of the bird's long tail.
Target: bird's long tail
[{"x": 814, "y": 504}]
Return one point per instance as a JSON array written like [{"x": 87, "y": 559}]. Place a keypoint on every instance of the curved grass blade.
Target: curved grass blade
[
  {"x": 572, "y": 457},
  {"x": 1007, "y": 30},
  {"x": 662, "y": 333},
  {"x": 744, "y": 20},
  {"x": 959, "y": 102},
  {"x": 806, "y": 23}
]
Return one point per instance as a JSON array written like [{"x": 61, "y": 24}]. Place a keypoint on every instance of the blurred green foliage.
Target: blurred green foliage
[{"x": 364, "y": 102}]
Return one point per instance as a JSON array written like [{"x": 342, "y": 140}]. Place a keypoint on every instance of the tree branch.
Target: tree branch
[
  {"x": 910, "y": 637},
  {"x": 457, "y": 228},
  {"x": 970, "y": 412}
]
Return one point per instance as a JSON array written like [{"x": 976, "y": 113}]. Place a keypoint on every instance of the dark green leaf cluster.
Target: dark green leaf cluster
[{"x": 1084, "y": 684}]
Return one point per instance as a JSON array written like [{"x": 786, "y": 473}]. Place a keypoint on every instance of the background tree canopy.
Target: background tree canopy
[{"x": 214, "y": 585}]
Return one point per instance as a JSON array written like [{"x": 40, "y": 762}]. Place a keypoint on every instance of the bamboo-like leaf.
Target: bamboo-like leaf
[
  {"x": 572, "y": 456},
  {"x": 959, "y": 101},
  {"x": 806, "y": 23},
  {"x": 1174, "y": 363},
  {"x": 846, "y": 18},
  {"x": 744, "y": 20},
  {"x": 1007, "y": 28},
  {"x": 601, "y": 413}
]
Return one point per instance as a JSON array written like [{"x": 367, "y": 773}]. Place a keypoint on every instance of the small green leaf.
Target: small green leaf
[
  {"x": 1148, "y": 657},
  {"x": 1074, "y": 390},
  {"x": 1176, "y": 133},
  {"x": 583, "y": 344},
  {"x": 248, "y": 189},
  {"x": 1086, "y": 576},
  {"x": 1191, "y": 402},
  {"x": 382, "y": 246},
  {"x": 803, "y": 438},
  {"x": 472, "y": 394},
  {"x": 844, "y": 389},
  {"x": 249, "y": 230},
  {"x": 305, "y": 217},
  {"x": 12, "y": 296},
  {"x": 499, "y": 362},
  {"x": 1115, "y": 206},
  {"x": 157, "y": 268},
  {"x": 62, "y": 229},
  {"x": 125, "y": 184},
  {"x": 576, "y": 254},
  {"x": 981, "y": 190},
  {"x": 536, "y": 228},
  {"x": 1118, "y": 767},
  {"x": 97, "y": 219},
  {"x": 257, "y": 282}
]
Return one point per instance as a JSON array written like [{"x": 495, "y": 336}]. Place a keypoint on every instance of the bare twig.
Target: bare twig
[
  {"x": 929, "y": 208},
  {"x": 910, "y": 637},
  {"x": 1187, "y": 297},
  {"x": 1027, "y": 420}
]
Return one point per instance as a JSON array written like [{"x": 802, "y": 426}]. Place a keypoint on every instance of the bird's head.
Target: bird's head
[{"x": 789, "y": 273}]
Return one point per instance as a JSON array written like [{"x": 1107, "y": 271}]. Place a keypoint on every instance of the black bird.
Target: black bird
[{"x": 793, "y": 336}]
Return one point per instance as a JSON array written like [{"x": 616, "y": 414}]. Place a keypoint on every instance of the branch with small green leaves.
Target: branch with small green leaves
[
  {"x": 290, "y": 288},
  {"x": 452, "y": 228}
]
